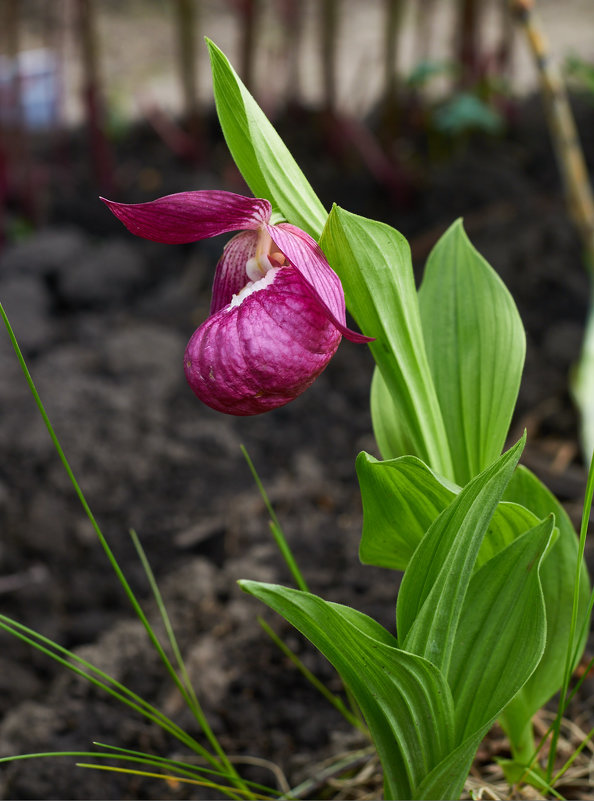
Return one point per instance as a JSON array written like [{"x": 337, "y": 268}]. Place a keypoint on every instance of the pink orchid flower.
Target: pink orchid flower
[{"x": 277, "y": 313}]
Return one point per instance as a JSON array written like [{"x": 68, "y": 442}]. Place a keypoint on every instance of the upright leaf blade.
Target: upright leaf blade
[
  {"x": 501, "y": 634},
  {"x": 445, "y": 780},
  {"x": 435, "y": 585},
  {"x": 396, "y": 517},
  {"x": 558, "y": 574},
  {"x": 475, "y": 346},
  {"x": 262, "y": 157},
  {"x": 373, "y": 263},
  {"x": 404, "y": 698}
]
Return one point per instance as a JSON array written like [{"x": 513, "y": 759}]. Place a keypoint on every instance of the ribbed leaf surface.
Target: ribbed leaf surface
[
  {"x": 263, "y": 159},
  {"x": 558, "y": 575},
  {"x": 401, "y": 499},
  {"x": 501, "y": 633},
  {"x": 373, "y": 263},
  {"x": 476, "y": 345},
  {"x": 435, "y": 584},
  {"x": 404, "y": 698}
]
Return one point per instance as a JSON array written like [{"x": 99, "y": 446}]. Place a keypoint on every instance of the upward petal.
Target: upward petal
[
  {"x": 230, "y": 276},
  {"x": 307, "y": 257},
  {"x": 189, "y": 216}
]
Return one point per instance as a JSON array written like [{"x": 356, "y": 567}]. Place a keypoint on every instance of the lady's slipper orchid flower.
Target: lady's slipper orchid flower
[{"x": 277, "y": 313}]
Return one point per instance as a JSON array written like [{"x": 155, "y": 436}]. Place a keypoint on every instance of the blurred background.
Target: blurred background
[{"x": 397, "y": 82}]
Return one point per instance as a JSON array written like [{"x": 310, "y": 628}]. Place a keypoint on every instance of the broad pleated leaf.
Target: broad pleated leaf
[
  {"x": 558, "y": 575},
  {"x": 373, "y": 262},
  {"x": 509, "y": 522},
  {"x": 475, "y": 345},
  {"x": 499, "y": 642},
  {"x": 436, "y": 581},
  {"x": 402, "y": 498},
  {"x": 404, "y": 698},
  {"x": 500, "y": 637},
  {"x": 447, "y": 779},
  {"x": 263, "y": 159}
]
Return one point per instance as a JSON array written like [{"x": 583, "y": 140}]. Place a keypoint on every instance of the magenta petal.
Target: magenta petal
[
  {"x": 307, "y": 257},
  {"x": 230, "y": 276},
  {"x": 265, "y": 351},
  {"x": 189, "y": 216}
]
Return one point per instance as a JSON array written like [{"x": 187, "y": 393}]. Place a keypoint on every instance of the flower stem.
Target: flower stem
[{"x": 275, "y": 528}]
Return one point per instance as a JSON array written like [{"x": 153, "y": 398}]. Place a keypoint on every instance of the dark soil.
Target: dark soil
[{"x": 103, "y": 319}]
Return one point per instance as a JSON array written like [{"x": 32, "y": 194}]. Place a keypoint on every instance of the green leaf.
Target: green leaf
[
  {"x": 389, "y": 424},
  {"x": 396, "y": 517},
  {"x": 501, "y": 635},
  {"x": 558, "y": 575},
  {"x": 498, "y": 644},
  {"x": 475, "y": 345},
  {"x": 401, "y": 499},
  {"x": 509, "y": 522},
  {"x": 444, "y": 781},
  {"x": 434, "y": 586},
  {"x": 404, "y": 698},
  {"x": 582, "y": 384},
  {"x": 517, "y": 772},
  {"x": 373, "y": 263},
  {"x": 263, "y": 159}
]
